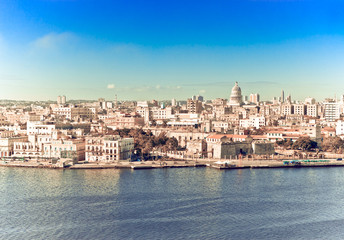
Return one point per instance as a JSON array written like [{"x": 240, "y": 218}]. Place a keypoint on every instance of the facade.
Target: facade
[
  {"x": 312, "y": 110},
  {"x": 287, "y": 109},
  {"x": 313, "y": 131},
  {"x": 108, "y": 148},
  {"x": 39, "y": 128},
  {"x": 7, "y": 145},
  {"x": 340, "y": 128},
  {"x": 253, "y": 122},
  {"x": 224, "y": 148},
  {"x": 61, "y": 148},
  {"x": 254, "y": 98},
  {"x": 194, "y": 106},
  {"x": 126, "y": 121},
  {"x": 73, "y": 112},
  {"x": 331, "y": 110},
  {"x": 299, "y": 109}
]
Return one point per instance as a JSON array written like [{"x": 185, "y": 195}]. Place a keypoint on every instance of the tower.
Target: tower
[{"x": 282, "y": 96}]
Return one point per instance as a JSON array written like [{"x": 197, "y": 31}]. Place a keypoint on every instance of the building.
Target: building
[
  {"x": 61, "y": 148},
  {"x": 299, "y": 109},
  {"x": 194, "y": 106},
  {"x": 313, "y": 131},
  {"x": 254, "y": 98},
  {"x": 340, "y": 128},
  {"x": 225, "y": 147},
  {"x": 253, "y": 122},
  {"x": 39, "y": 128},
  {"x": 73, "y": 112},
  {"x": 312, "y": 110},
  {"x": 7, "y": 145},
  {"x": 282, "y": 96},
  {"x": 108, "y": 148},
  {"x": 331, "y": 110},
  {"x": 198, "y": 97},
  {"x": 287, "y": 109},
  {"x": 124, "y": 121},
  {"x": 61, "y": 100},
  {"x": 236, "y": 97}
]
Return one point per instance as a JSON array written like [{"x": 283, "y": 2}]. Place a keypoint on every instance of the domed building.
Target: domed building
[{"x": 236, "y": 97}]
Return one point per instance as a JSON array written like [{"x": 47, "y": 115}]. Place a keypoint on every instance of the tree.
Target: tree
[
  {"x": 304, "y": 143},
  {"x": 332, "y": 144},
  {"x": 286, "y": 143},
  {"x": 171, "y": 144},
  {"x": 146, "y": 142}
]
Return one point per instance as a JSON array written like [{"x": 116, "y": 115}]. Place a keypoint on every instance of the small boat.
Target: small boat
[
  {"x": 141, "y": 166},
  {"x": 222, "y": 165}
]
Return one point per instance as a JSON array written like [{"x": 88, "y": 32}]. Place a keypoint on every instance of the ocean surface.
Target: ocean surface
[{"x": 179, "y": 203}]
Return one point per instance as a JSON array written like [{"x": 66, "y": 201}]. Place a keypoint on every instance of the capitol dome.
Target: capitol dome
[{"x": 236, "y": 97}]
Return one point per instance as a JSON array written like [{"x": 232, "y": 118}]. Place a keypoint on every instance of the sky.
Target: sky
[{"x": 143, "y": 50}]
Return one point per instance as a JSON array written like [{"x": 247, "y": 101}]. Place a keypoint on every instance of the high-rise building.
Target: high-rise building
[
  {"x": 174, "y": 102},
  {"x": 331, "y": 110},
  {"x": 59, "y": 100},
  {"x": 198, "y": 97},
  {"x": 282, "y": 96},
  {"x": 194, "y": 106},
  {"x": 254, "y": 98},
  {"x": 63, "y": 100}
]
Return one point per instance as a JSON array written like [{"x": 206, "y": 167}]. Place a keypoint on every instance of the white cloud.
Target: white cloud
[
  {"x": 111, "y": 86},
  {"x": 202, "y": 91},
  {"x": 157, "y": 86},
  {"x": 53, "y": 40}
]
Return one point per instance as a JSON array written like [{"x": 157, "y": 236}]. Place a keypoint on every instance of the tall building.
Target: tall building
[
  {"x": 198, "y": 97},
  {"x": 59, "y": 100},
  {"x": 174, "y": 102},
  {"x": 282, "y": 96},
  {"x": 194, "y": 106},
  {"x": 63, "y": 100},
  {"x": 236, "y": 97},
  {"x": 254, "y": 98},
  {"x": 331, "y": 110}
]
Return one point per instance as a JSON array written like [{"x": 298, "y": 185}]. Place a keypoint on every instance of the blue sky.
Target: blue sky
[{"x": 170, "y": 49}]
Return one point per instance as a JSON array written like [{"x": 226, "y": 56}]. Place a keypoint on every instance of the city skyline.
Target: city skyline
[{"x": 153, "y": 50}]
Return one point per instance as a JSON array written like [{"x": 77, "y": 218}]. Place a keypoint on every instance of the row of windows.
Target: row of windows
[{"x": 60, "y": 149}]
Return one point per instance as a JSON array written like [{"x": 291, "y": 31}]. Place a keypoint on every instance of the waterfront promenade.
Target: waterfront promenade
[{"x": 234, "y": 164}]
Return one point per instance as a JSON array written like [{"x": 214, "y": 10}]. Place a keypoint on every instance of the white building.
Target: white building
[
  {"x": 253, "y": 122},
  {"x": 312, "y": 110},
  {"x": 331, "y": 110},
  {"x": 340, "y": 128},
  {"x": 108, "y": 148},
  {"x": 38, "y": 128},
  {"x": 299, "y": 109}
]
